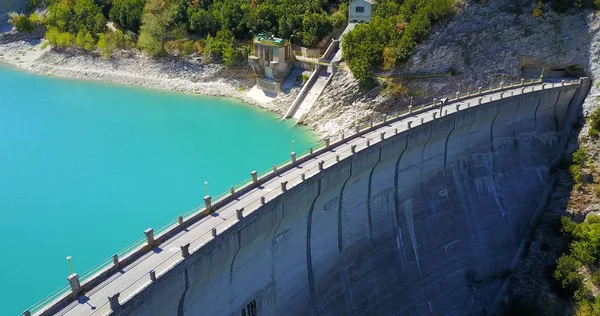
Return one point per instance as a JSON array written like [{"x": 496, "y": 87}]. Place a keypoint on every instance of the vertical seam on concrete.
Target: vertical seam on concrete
[
  {"x": 273, "y": 256},
  {"x": 498, "y": 200},
  {"x": 396, "y": 223},
  {"x": 182, "y": 299},
  {"x": 554, "y": 115},
  {"x": 446, "y": 145},
  {"x": 349, "y": 302},
  {"x": 369, "y": 192},
  {"x": 423, "y": 155},
  {"x": 537, "y": 136},
  {"x": 235, "y": 256},
  {"x": 311, "y": 277}
]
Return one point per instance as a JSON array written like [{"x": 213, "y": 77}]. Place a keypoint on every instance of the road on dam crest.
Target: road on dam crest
[{"x": 420, "y": 214}]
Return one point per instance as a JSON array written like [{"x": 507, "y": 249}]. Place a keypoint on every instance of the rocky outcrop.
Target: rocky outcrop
[{"x": 483, "y": 45}]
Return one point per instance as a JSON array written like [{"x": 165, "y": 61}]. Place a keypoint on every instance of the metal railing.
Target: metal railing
[{"x": 99, "y": 274}]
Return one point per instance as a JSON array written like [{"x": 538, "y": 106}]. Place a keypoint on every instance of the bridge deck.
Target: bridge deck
[{"x": 135, "y": 277}]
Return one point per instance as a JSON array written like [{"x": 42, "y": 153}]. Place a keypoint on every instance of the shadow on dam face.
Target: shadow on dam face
[{"x": 426, "y": 222}]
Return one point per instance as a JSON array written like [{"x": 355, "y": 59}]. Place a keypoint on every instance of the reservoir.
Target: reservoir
[{"x": 86, "y": 167}]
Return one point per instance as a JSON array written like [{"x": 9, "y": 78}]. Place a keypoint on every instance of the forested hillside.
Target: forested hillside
[
  {"x": 217, "y": 28},
  {"x": 221, "y": 30}
]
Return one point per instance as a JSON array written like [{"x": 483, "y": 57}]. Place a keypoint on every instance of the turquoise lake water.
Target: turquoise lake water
[{"x": 86, "y": 167}]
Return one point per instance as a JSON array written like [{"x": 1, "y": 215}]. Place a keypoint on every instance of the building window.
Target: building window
[
  {"x": 360, "y": 9},
  {"x": 250, "y": 309}
]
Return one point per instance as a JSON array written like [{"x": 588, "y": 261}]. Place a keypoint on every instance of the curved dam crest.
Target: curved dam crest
[{"x": 426, "y": 220}]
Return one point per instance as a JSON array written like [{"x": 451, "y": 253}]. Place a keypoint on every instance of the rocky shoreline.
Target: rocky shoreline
[{"x": 189, "y": 75}]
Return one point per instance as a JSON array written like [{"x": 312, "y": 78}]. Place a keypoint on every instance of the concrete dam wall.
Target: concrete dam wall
[{"x": 426, "y": 221}]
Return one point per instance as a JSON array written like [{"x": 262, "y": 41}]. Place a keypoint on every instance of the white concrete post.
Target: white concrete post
[
  {"x": 284, "y": 186},
  {"x": 115, "y": 306},
  {"x": 115, "y": 260},
  {"x": 562, "y": 83},
  {"x": 343, "y": 136},
  {"x": 27, "y": 313},
  {"x": 457, "y": 107},
  {"x": 239, "y": 213},
  {"x": 385, "y": 118},
  {"x": 445, "y": 112},
  {"x": 274, "y": 168},
  {"x": 409, "y": 124},
  {"x": 263, "y": 201},
  {"x": 254, "y": 176},
  {"x": 396, "y": 131},
  {"x": 422, "y": 120},
  {"x": 410, "y": 109},
  {"x": 149, "y": 236},
  {"x": 207, "y": 202},
  {"x": 337, "y": 158},
  {"x": 382, "y": 135},
  {"x": 153, "y": 275},
  {"x": 310, "y": 150},
  {"x": 353, "y": 149},
  {"x": 479, "y": 90},
  {"x": 522, "y": 81},
  {"x": 75, "y": 286},
  {"x": 327, "y": 140},
  {"x": 214, "y": 232},
  {"x": 480, "y": 100},
  {"x": 293, "y": 155},
  {"x": 371, "y": 122},
  {"x": 368, "y": 142},
  {"x": 501, "y": 95},
  {"x": 180, "y": 219},
  {"x": 232, "y": 190},
  {"x": 303, "y": 177},
  {"x": 434, "y": 115},
  {"x": 321, "y": 163}
]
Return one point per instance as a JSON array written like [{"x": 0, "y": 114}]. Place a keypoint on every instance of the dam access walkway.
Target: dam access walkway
[{"x": 113, "y": 290}]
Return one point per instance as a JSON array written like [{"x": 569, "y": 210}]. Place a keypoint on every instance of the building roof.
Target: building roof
[{"x": 367, "y": 1}]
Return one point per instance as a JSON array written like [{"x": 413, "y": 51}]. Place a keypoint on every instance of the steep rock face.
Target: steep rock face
[
  {"x": 7, "y": 6},
  {"x": 426, "y": 222},
  {"x": 483, "y": 45}
]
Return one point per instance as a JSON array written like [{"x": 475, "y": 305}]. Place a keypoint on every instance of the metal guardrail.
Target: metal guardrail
[{"x": 139, "y": 248}]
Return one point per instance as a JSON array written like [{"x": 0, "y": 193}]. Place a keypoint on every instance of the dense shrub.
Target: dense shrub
[
  {"x": 128, "y": 13},
  {"x": 567, "y": 273},
  {"x": 76, "y": 16},
  {"x": 394, "y": 32},
  {"x": 580, "y": 157},
  {"x": 21, "y": 22}
]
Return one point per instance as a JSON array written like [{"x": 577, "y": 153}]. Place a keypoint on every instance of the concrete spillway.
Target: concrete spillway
[{"x": 425, "y": 219}]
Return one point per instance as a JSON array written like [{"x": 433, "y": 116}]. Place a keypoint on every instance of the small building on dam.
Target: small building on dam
[{"x": 420, "y": 214}]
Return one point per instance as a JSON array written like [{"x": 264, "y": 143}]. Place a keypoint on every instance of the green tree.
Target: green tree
[
  {"x": 567, "y": 273},
  {"x": 22, "y": 23},
  {"x": 128, "y": 13},
  {"x": 75, "y": 16},
  {"x": 105, "y": 46},
  {"x": 159, "y": 25},
  {"x": 202, "y": 22},
  {"x": 220, "y": 46},
  {"x": 315, "y": 26}
]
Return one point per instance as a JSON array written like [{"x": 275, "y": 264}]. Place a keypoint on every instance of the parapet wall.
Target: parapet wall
[{"x": 424, "y": 222}]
